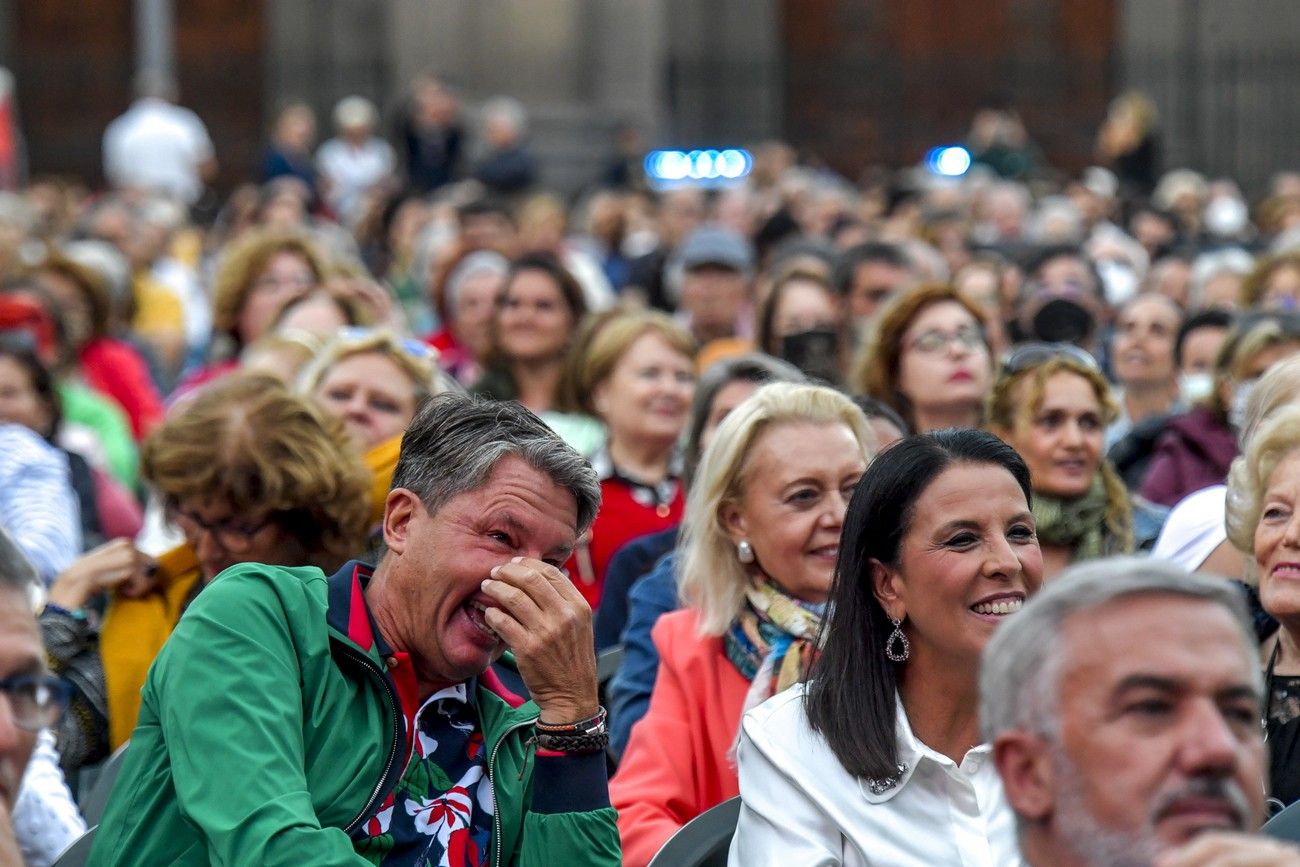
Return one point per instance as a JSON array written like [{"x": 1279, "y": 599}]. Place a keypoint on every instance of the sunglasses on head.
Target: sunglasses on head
[{"x": 1027, "y": 356}]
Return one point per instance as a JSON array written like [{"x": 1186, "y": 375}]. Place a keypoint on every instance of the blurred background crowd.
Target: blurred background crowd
[{"x": 223, "y": 358}]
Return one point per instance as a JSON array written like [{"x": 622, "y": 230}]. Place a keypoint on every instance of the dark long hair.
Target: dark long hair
[
  {"x": 851, "y": 698},
  {"x": 18, "y": 349}
]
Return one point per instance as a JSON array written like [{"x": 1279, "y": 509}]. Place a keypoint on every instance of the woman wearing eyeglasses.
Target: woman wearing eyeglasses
[
  {"x": 1052, "y": 405},
  {"x": 249, "y": 472},
  {"x": 257, "y": 277},
  {"x": 928, "y": 357}
]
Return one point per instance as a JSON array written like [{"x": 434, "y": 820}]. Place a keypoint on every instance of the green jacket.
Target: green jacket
[{"x": 269, "y": 729}]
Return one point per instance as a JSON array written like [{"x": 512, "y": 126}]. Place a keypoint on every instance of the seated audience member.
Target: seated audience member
[
  {"x": 28, "y": 397},
  {"x": 719, "y": 390},
  {"x": 1263, "y": 521},
  {"x": 93, "y": 425},
  {"x": 1142, "y": 361},
  {"x": 1061, "y": 300},
  {"x": 800, "y": 322},
  {"x": 1274, "y": 284},
  {"x": 867, "y": 276},
  {"x": 540, "y": 310},
  {"x": 30, "y": 819},
  {"x": 373, "y": 381},
  {"x": 248, "y": 472},
  {"x": 38, "y": 506},
  {"x": 1197, "y": 448},
  {"x": 877, "y": 758},
  {"x": 465, "y": 296},
  {"x": 928, "y": 357},
  {"x": 1195, "y": 349},
  {"x": 112, "y": 367},
  {"x": 1052, "y": 405},
  {"x": 373, "y": 714},
  {"x": 1195, "y": 534},
  {"x": 635, "y": 372},
  {"x": 257, "y": 277},
  {"x": 713, "y": 272},
  {"x": 1123, "y": 708},
  {"x": 757, "y": 553}
]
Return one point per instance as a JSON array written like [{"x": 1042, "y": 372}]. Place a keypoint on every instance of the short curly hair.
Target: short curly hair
[
  {"x": 1277, "y": 437},
  {"x": 241, "y": 264},
  {"x": 249, "y": 442}
]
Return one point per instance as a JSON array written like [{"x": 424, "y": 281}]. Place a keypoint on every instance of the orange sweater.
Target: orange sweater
[{"x": 677, "y": 762}]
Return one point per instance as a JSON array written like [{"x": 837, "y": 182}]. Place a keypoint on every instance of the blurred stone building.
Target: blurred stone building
[{"x": 852, "y": 82}]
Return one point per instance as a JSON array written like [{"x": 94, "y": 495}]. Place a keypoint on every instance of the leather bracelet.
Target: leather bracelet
[
  {"x": 573, "y": 744},
  {"x": 584, "y": 726}
]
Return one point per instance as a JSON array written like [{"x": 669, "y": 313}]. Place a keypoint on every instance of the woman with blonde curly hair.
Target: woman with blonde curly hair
[
  {"x": 757, "y": 553},
  {"x": 258, "y": 276},
  {"x": 1263, "y": 519},
  {"x": 249, "y": 472},
  {"x": 1052, "y": 405},
  {"x": 928, "y": 356}
]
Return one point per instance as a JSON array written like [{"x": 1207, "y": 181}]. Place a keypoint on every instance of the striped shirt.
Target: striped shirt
[{"x": 38, "y": 507}]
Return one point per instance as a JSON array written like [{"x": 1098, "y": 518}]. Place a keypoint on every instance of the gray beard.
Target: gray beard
[{"x": 1088, "y": 841}]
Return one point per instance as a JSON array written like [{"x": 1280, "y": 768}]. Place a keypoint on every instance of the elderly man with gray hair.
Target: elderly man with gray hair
[
  {"x": 1123, "y": 705},
  {"x": 375, "y": 716}
]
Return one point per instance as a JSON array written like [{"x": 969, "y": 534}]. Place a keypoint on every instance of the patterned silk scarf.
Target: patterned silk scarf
[{"x": 773, "y": 641}]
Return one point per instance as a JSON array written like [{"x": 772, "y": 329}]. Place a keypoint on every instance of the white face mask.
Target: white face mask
[
  {"x": 1118, "y": 280},
  {"x": 1193, "y": 387},
  {"x": 1240, "y": 395}
]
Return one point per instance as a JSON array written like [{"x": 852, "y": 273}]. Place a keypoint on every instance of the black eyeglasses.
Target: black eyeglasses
[
  {"x": 36, "y": 700},
  {"x": 235, "y": 537},
  {"x": 1027, "y": 356}
]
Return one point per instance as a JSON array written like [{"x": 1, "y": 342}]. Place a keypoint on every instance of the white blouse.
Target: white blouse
[{"x": 800, "y": 807}]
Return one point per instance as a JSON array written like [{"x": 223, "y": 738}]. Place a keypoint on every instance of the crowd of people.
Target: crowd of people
[{"x": 321, "y": 499}]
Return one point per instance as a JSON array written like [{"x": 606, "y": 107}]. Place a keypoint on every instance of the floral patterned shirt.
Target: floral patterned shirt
[{"x": 440, "y": 814}]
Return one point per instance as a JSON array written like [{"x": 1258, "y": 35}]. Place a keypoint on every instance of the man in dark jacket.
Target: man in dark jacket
[{"x": 373, "y": 717}]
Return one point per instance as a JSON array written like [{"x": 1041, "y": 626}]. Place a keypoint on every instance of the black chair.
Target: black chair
[
  {"x": 78, "y": 853},
  {"x": 702, "y": 842},
  {"x": 608, "y": 662},
  {"x": 92, "y": 807},
  {"x": 1285, "y": 825}
]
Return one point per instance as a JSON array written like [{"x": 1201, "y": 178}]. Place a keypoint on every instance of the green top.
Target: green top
[{"x": 108, "y": 423}]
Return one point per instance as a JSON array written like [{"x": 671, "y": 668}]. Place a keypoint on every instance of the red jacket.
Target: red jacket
[
  {"x": 622, "y": 518},
  {"x": 679, "y": 761},
  {"x": 117, "y": 371}
]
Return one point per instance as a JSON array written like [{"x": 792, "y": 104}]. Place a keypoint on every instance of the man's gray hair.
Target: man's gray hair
[
  {"x": 455, "y": 441},
  {"x": 16, "y": 571},
  {"x": 1020, "y": 668}
]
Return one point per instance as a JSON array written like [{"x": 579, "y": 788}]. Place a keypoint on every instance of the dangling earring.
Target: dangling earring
[
  {"x": 745, "y": 552},
  {"x": 897, "y": 654}
]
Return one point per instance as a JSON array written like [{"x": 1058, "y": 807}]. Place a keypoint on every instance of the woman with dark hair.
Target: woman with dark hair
[
  {"x": 928, "y": 356},
  {"x": 539, "y": 311},
  {"x": 28, "y": 397},
  {"x": 865, "y": 763}
]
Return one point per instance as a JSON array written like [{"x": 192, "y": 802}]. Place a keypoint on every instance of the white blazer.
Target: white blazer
[{"x": 800, "y": 807}]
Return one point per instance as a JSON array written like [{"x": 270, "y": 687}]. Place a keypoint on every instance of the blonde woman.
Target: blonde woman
[
  {"x": 374, "y": 381},
  {"x": 759, "y": 543},
  {"x": 1052, "y": 405}
]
